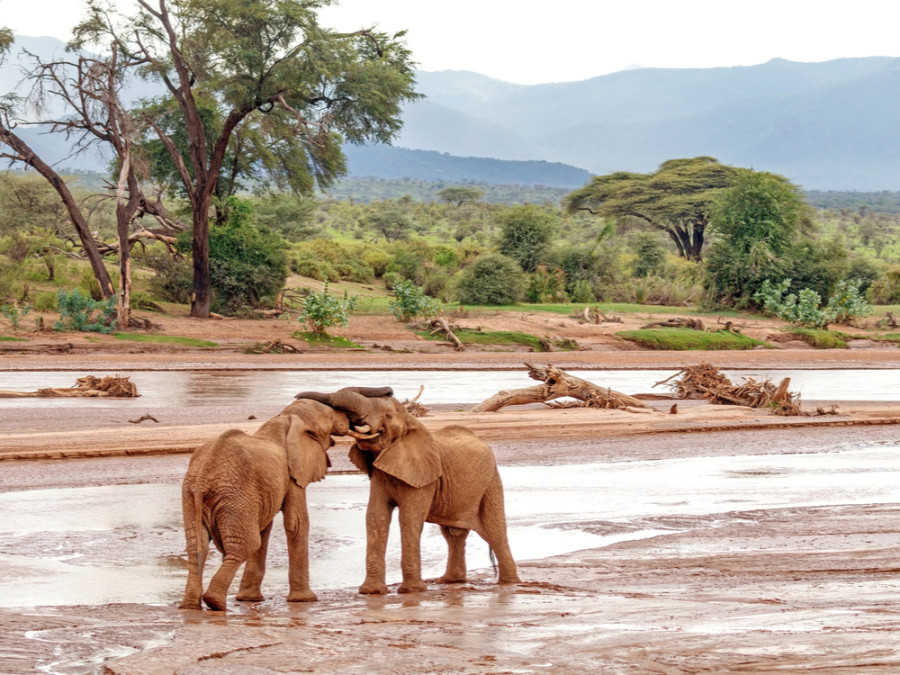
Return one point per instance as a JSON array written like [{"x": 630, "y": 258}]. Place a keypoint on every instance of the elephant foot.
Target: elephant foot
[
  {"x": 250, "y": 597},
  {"x": 412, "y": 587},
  {"x": 508, "y": 580},
  {"x": 190, "y": 604},
  {"x": 215, "y": 602},
  {"x": 369, "y": 588},
  {"x": 302, "y": 596},
  {"x": 451, "y": 579}
]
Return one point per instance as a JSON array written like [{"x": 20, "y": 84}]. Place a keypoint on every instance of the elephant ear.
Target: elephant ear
[
  {"x": 413, "y": 458},
  {"x": 361, "y": 460},
  {"x": 307, "y": 459}
]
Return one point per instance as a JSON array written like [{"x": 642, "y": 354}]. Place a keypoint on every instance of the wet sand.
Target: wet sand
[{"x": 760, "y": 590}]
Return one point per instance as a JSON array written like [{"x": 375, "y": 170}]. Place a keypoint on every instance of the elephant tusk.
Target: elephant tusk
[{"x": 363, "y": 436}]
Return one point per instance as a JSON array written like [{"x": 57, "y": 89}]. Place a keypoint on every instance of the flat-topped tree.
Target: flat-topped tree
[
  {"x": 304, "y": 90},
  {"x": 675, "y": 198}
]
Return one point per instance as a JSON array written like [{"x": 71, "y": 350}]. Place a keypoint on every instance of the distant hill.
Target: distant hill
[{"x": 826, "y": 126}]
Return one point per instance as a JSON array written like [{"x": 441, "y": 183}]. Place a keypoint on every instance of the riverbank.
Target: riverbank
[{"x": 810, "y": 587}]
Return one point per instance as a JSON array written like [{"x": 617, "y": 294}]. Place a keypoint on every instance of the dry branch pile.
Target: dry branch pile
[
  {"x": 88, "y": 386},
  {"x": 706, "y": 382},
  {"x": 556, "y": 383},
  {"x": 677, "y": 322}
]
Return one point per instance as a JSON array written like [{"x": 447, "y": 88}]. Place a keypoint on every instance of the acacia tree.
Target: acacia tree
[
  {"x": 675, "y": 198},
  {"x": 305, "y": 88},
  {"x": 14, "y": 149}
]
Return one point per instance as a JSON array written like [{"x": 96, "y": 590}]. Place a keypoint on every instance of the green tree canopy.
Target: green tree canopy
[
  {"x": 492, "y": 279},
  {"x": 675, "y": 198},
  {"x": 525, "y": 233},
  {"x": 460, "y": 194},
  {"x": 269, "y": 67},
  {"x": 758, "y": 226}
]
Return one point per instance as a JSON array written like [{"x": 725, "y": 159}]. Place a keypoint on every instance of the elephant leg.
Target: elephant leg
[
  {"x": 296, "y": 526},
  {"x": 250, "y": 589},
  {"x": 196, "y": 562},
  {"x": 238, "y": 546},
  {"x": 456, "y": 555},
  {"x": 378, "y": 523},
  {"x": 493, "y": 531},
  {"x": 412, "y": 518}
]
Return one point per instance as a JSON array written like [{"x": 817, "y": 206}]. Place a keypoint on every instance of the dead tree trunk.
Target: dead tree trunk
[{"x": 556, "y": 383}]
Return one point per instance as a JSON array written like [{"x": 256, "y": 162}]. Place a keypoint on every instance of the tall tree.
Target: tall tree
[
  {"x": 263, "y": 63},
  {"x": 14, "y": 149},
  {"x": 525, "y": 234},
  {"x": 675, "y": 198},
  {"x": 759, "y": 226}
]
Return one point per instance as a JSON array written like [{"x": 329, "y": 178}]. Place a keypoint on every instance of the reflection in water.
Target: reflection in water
[
  {"x": 124, "y": 543},
  {"x": 224, "y": 388}
]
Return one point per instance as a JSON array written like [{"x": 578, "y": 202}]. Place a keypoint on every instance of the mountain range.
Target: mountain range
[{"x": 825, "y": 126}]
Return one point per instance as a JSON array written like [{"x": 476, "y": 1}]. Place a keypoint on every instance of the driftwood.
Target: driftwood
[
  {"x": 88, "y": 386},
  {"x": 706, "y": 382},
  {"x": 677, "y": 322},
  {"x": 144, "y": 418},
  {"x": 440, "y": 325},
  {"x": 594, "y": 315},
  {"x": 413, "y": 407},
  {"x": 556, "y": 383}
]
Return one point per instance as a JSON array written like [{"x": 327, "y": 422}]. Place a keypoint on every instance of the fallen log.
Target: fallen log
[
  {"x": 556, "y": 383},
  {"x": 88, "y": 386}
]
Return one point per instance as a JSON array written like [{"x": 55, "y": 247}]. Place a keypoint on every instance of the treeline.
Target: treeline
[{"x": 460, "y": 247}]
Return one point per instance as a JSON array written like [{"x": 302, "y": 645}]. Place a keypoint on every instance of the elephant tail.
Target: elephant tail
[
  {"x": 493, "y": 561},
  {"x": 197, "y": 558}
]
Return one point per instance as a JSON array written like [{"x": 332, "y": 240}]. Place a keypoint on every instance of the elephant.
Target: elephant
[
  {"x": 449, "y": 478},
  {"x": 232, "y": 490}
]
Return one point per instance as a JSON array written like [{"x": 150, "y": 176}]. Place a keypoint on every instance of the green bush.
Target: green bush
[
  {"x": 45, "y": 301},
  {"x": 410, "y": 302},
  {"x": 803, "y": 308},
  {"x": 172, "y": 280},
  {"x": 15, "y": 313},
  {"x": 493, "y": 279},
  {"x": 79, "y": 312},
  {"x": 323, "y": 310},
  {"x": 246, "y": 264}
]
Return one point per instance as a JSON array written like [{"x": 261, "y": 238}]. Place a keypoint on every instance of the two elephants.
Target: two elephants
[{"x": 236, "y": 484}]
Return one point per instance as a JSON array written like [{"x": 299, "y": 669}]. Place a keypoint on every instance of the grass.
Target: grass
[
  {"x": 8, "y": 338},
  {"x": 325, "y": 340},
  {"x": 501, "y": 338},
  {"x": 822, "y": 339},
  {"x": 166, "y": 339},
  {"x": 684, "y": 339}
]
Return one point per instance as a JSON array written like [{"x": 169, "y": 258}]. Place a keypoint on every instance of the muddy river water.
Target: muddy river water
[
  {"x": 124, "y": 543},
  {"x": 233, "y": 387}
]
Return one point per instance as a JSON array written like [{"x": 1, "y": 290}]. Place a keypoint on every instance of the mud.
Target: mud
[{"x": 792, "y": 568}]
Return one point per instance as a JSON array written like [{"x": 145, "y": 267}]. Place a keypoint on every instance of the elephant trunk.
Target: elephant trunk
[{"x": 353, "y": 401}]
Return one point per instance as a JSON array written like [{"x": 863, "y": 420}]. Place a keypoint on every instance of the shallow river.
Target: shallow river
[
  {"x": 125, "y": 543},
  {"x": 214, "y": 388}
]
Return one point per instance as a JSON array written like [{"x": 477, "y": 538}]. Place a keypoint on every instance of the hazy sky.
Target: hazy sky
[{"x": 567, "y": 40}]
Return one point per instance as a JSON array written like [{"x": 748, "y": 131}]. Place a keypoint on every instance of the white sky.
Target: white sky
[{"x": 566, "y": 40}]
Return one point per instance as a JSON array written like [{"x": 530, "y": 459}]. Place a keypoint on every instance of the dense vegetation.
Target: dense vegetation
[{"x": 458, "y": 247}]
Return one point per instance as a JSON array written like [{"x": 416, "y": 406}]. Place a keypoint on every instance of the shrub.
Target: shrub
[
  {"x": 246, "y": 263},
  {"x": 323, "y": 310},
  {"x": 172, "y": 280},
  {"x": 803, "y": 309},
  {"x": 493, "y": 279},
  {"x": 410, "y": 302},
  {"x": 45, "y": 301},
  {"x": 15, "y": 313},
  {"x": 79, "y": 312}
]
